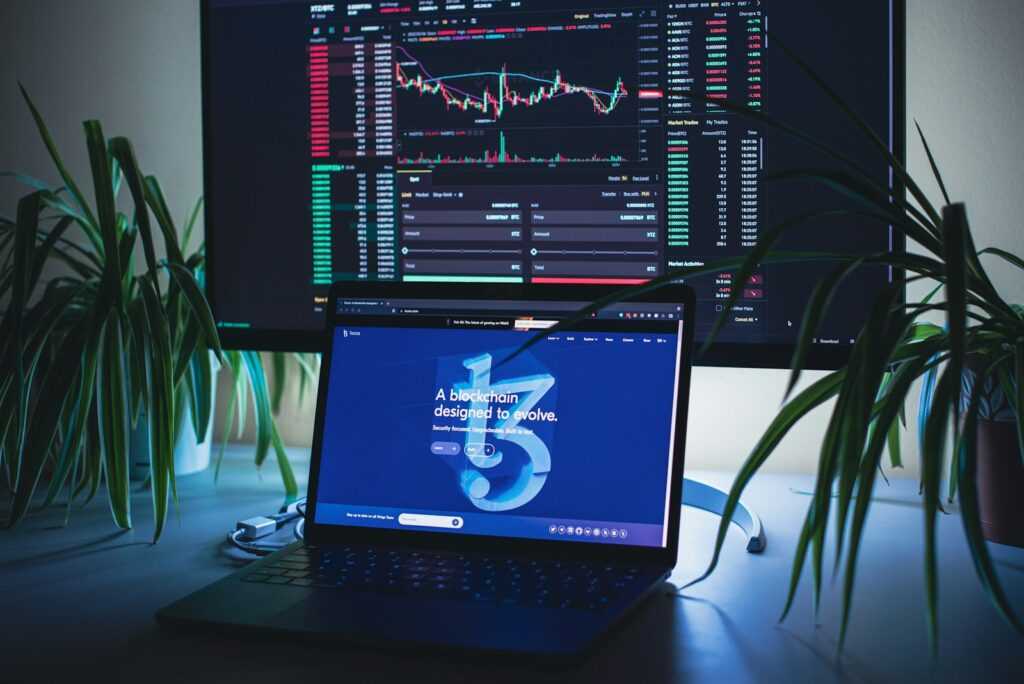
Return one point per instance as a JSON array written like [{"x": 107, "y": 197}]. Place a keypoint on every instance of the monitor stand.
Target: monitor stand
[{"x": 712, "y": 499}]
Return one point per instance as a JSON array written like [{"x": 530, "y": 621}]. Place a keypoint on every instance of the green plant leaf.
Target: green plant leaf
[
  {"x": 200, "y": 307},
  {"x": 914, "y": 263},
  {"x": 202, "y": 385},
  {"x": 12, "y": 328},
  {"x": 93, "y": 459},
  {"x": 754, "y": 260},
  {"x": 266, "y": 431},
  {"x": 924, "y": 407},
  {"x": 156, "y": 202},
  {"x": 74, "y": 434},
  {"x": 846, "y": 161},
  {"x": 828, "y": 461},
  {"x": 800, "y": 556},
  {"x": 47, "y": 314},
  {"x": 307, "y": 373},
  {"x": 895, "y": 448},
  {"x": 790, "y": 414},
  {"x": 970, "y": 513},
  {"x": 69, "y": 182},
  {"x": 279, "y": 374},
  {"x": 931, "y": 162},
  {"x": 900, "y": 384},
  {"x": 54, "y": 202},
  {"x": 114, "y": 418},
  {"x": 160, "y": 407},
  {"x": 46, "y": 250},
  {"x": 261, "y": 403},
  {"x": 126, "y": 248},
  {"x": 678, "y": 275},
  {"x": 880, "y": 201},
  {"x": 106, "y": 211},
  {"x": 42, "y": 429},
  {"x": 191, "y": 224},
  {"x": 881, "y": 336},
  {"x": 931, "y": 465},
  {"x": 117, "y": 174},
  {"x": 229, "y": 423},
  {"x": 187, "y": 346},
  {"x": 954, "y": 229},
  {"x": 138, "y": 354},
  {"x": 124, "y": 153},
  {"x": 241, "y": 389},
  {"x": 1018, "y": 365},
  {"x": 233, "y": 364},
  {"x": 26, "y": 180},
  {"x": 898, "y": 170},
  {"x": 1003, "y": 254},
  {"x": 821, "y": 300},
  {"x": 87, "y": 268},
  {"x": 924, "y": 331},
  {"x": 8, "y": 437},
  {"x": 291, "y": 488}
]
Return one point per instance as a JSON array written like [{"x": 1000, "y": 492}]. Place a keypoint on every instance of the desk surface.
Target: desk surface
[{"x": 81, "y": 600}]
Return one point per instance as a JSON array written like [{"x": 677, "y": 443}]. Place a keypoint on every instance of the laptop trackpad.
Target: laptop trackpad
[{"x": 367, "y": 617}]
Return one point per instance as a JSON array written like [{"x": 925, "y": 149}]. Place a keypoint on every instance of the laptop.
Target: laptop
[{"x": 467, "y": 491}]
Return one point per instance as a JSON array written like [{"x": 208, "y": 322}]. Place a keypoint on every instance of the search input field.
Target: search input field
[{"x": 422, "y": 520}]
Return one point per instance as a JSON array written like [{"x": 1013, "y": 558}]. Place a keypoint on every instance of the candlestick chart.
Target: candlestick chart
[
  {"x": 564, "y": 102},
  {"x": 504, "y": 96}
]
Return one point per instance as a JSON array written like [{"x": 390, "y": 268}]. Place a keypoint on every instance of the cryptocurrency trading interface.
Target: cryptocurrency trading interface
[{"x": 522, "y": 141}]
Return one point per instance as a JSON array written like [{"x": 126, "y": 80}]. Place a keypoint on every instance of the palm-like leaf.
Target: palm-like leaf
[
  {"x": 84, "y": 361},
  {"x": 98, "y": 348},
  {"x": 894, "y": 349}
]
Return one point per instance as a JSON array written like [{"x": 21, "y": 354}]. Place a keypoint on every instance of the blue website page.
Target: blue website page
[{"x": 432, "y": 429}]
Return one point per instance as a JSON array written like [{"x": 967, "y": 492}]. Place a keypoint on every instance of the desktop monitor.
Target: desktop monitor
[{"x": 538, "y": 141}]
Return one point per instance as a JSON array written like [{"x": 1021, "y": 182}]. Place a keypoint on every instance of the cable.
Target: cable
[
  {"x": 300, "y": 526},
  {"x": 248, "y": 531},
  {"x": 235, "y": 539}
]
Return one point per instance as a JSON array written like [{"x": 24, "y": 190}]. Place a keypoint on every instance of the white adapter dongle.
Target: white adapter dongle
[{"x": 254, "y": 528}]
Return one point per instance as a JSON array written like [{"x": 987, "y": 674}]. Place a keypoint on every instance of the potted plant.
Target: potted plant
[
  {"x": 1000, "y": 456},
  {"x": 981, "y": 339},
  {"x": 106, "y": 347}
]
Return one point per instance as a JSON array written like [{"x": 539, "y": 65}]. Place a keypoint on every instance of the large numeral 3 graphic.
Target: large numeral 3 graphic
[{"x": 482, "y": 456}]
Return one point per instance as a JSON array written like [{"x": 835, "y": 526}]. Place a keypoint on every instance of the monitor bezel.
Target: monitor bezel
[
  {"x": 316, "y": 533},
  {"x": 720, "y": 354}
]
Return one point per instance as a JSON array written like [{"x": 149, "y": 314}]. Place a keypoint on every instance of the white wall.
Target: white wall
[
  {"x": 132, "y": 64},
  {"x": 135, "y": 65}
]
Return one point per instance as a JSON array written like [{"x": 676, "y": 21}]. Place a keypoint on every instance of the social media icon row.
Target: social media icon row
[
  {"x": 603, "y": 532},
  {"x": 632, "y": 315}
]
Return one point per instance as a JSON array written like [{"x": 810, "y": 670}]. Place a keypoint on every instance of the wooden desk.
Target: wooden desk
[{"x": 79, "y": 602}]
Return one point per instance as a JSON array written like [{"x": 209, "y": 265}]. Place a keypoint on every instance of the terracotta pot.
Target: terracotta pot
[
  {"x": 1000, "y": 466},
  {"x": 1000, "y": 482}
]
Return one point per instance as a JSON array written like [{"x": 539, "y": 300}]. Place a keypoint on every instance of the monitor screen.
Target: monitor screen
[
  {"x": 537, "y": 141},
  {"x": 430, "y": 423}
]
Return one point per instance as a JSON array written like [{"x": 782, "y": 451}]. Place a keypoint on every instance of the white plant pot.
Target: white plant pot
[{"x": 190, "y": 456}]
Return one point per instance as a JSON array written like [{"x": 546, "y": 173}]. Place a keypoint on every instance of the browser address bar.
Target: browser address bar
[{"x": 530, "y": 324}]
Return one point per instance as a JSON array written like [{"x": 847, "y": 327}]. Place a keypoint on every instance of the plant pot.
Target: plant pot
[
  {"x": 190, "y": 456},
  {"x": 1000, "y": 464}
]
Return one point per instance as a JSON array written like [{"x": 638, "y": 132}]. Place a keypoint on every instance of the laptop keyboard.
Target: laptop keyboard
[{"x": 466, "y": 577}]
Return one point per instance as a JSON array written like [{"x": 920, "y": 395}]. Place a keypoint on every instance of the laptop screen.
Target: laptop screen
[{"x": 436, "y": 420}]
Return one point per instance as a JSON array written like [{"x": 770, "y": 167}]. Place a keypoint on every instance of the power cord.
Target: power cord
[
  {"x": 300, "y": 526},
  {"x": 248, "y": 532}
]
